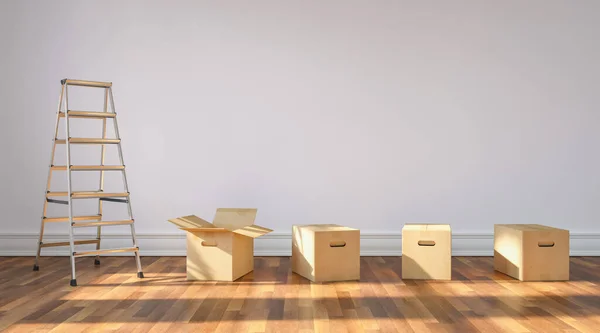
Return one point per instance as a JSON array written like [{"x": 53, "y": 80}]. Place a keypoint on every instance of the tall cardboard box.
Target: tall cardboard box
[
  {"x": 326, "y": 252},
  {"x": 222, "y": 250},
  {"x": 427, "y": 252},
  {"x": 531, "y": 252}
]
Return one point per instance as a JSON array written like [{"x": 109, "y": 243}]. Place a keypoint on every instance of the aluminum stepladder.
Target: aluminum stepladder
[{"x": 91, "y": 220}]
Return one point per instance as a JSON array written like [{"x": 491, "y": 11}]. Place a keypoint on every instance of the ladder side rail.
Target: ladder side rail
[
  {"x": 36, "y": 266},
  {"x": 101, "y": 185},
  {"x": 69, "y": 189},
  {"x": 126, "y": 186}
]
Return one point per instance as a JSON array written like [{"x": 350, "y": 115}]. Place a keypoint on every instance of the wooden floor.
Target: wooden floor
[{"x": 272, "y": 299}]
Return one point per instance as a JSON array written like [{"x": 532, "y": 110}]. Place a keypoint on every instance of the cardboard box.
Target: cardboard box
[
  {"x": 427, "y": 252},
  {"x": 326, "y": 252},
  {"x": 531, "y": 252},
  {"x": 222, "y": 250}
]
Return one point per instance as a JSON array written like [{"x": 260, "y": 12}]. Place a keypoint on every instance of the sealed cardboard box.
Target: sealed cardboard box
[
  {"x": 222, "y": 250},
  {"x": 326, "y": 252},
  {"x": 531, "y": 252},
  {"x": 427, "y": 252}
]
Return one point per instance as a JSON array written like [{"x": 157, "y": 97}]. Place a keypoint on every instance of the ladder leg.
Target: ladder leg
[
  {"x": 36, "y": 266},
  {"x": 138, "y": 263},
  {"x": 70, "y": 190},
  {"x": 98, "y": 237},
  {"x": 140, "y": 273},
  {"x": 101, "y": 187}
]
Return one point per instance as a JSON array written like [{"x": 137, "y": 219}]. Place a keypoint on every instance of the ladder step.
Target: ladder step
[
  {"x": 97, "y": 252},
  {"x": 98, "y": 195},
  {"x": 56, "y": 194},
  {"x": 88, "y": 141},
  {"x": 75, "y": 218},
  {"x": 88, "y": 114},
  {"x": 88, "y": 194},
  {"x": 77, "y": 242},
  {"x": 89, "y": 167},
  {"x": 101, "y": 223},
  {"x": 86, "y": 83}
]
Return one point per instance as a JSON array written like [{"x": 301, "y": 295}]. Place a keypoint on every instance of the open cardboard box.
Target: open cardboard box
[{"x": 222, "y": 250}]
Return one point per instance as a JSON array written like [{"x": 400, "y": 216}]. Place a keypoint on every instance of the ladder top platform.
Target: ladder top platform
[{"x": 86, "y": 83}]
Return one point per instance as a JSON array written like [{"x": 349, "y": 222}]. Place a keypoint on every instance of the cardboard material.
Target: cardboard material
[
  {"x": 427, "y": 252},
  {"x": 326, "y": 252},
  {"x": 531, "y": 252},
  {"x": 222, "y": 250}
]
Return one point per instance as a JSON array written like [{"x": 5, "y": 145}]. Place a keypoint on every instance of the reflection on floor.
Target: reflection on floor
[{"x": 272, "y": 299}]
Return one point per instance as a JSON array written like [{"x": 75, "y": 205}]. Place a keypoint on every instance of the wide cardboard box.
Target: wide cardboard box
[
  {"x": 326, "y": 252},
  {"x": 222, "y": 250},
  {"x": 427, "y": 252},
  {"x": 531, "y": 252}
]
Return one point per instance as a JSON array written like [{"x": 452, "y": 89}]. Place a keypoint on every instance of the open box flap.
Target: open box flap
[
  {"x": 233, "y": 219},
  {"x": 194, "y": 223},
  {"x": 253, "y": 231}
]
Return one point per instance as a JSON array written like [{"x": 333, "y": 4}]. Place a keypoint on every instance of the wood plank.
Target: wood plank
[
  {"x": 75, "y": 218},
  {"x": 273, "y": 299},
  {"x": 88, "y": 114}
]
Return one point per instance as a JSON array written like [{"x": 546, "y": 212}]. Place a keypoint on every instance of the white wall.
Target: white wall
[{"x": 368, "y": 114}]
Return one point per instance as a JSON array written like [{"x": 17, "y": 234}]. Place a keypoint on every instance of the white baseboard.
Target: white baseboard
[{"x": 275, "y": 244}]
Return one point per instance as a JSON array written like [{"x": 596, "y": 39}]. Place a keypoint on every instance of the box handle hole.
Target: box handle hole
[
  {"x": 546, "y": 244},
  {"x": 337, "y": 244},
  {"x": 209, "y": 243},
  {"x": 426, "y": 243}
]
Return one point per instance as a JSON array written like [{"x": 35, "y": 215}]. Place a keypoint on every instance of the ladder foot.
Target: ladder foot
[
  {"x": 140, "y": 275},
  {"x": 36, "y": 268},
  {"x": 97, "y": 262},
  {"x": 74, "y": 283}
]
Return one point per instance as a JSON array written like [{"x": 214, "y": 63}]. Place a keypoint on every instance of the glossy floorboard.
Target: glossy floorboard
[{"x": 272, "y": 299}]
